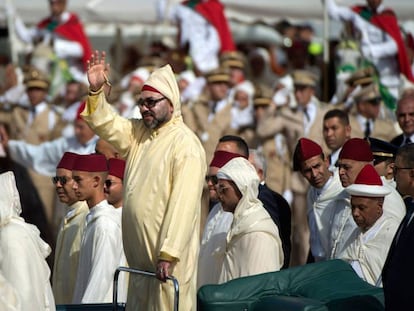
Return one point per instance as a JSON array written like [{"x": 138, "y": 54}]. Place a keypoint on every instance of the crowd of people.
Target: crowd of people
[{"x": 207, "y": 163}]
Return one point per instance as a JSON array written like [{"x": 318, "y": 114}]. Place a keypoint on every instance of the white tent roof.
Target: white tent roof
[{"x": 143, "y": 11}]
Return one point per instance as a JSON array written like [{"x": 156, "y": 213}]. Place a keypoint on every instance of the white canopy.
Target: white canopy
[{"x": 143, "y": 11}]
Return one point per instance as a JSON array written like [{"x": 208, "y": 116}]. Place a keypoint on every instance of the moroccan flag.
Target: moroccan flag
[
  {"x": 71, "y": 30},
  {"x": 387, "y": 22},
  {"x": 213, "y": 12}
]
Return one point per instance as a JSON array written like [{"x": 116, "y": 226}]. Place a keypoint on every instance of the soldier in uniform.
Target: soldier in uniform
[
  {"x": 212, "y": 112},
  {"x": 365, "y": 122}
]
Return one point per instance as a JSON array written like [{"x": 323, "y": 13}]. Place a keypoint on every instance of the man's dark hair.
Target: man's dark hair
[
  {"x": 337, "y": 113},
  {"x": 406, "y": 152},
  {"x": 241, "y": 144}
]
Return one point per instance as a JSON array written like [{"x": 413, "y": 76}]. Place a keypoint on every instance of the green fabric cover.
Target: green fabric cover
[
  {"x": 90, "y": 307},
  {"x": 328, "y": 285}
]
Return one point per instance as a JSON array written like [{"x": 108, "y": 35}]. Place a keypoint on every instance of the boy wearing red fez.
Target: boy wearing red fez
[
  {"x": 322, "y": 197},
  {"x": 70, "y": 233},
  {"x": 101, "y": 249}
]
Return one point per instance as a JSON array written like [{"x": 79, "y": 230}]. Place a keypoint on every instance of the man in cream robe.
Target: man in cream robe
[
  {"x": 23, "y": 264},
  {"x": 253, "y": 242},
  {"x": 163, "y": 181},
  {"x": 376, "y": 230},
  {"x": 70, "y": 233}
]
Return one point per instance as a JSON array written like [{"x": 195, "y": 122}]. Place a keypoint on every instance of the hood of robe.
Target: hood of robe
[
  {"x": 10, "y": 210},
  {"x": 249, "y": 215},
  {"x": 163, "y": 79},
  {"x": 10, "y": 206}
]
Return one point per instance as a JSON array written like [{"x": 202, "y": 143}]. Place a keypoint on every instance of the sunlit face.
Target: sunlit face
[
  {"x": 405, "y": 116},
  {"x": 335, "y": 133},
  {"x": 349, "y": 170},
  {"x": 64, "y": 186},
  {"x": 228, "y": 194},
  {"x": 316, "y": 171},
  {"x": 83, "y": 132},
  {"x": 366, "y": 211},
  {"x": 161, "y": 113},
  {"x": 36, "y": 95},
  {"x": 113, "y": 190},
  {"x": 83, "y": 184},
  {"x": 303, "y": 94}
]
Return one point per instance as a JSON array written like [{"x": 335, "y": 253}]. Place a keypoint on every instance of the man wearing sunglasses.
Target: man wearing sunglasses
[
  {"x": 164, "y": 178},
  {"x": 70, "y": 233}
]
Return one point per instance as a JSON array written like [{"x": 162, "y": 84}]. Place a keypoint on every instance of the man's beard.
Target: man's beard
[{"x": 155, "y": 122}]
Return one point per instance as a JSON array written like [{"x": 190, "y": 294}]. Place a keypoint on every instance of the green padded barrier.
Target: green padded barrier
[
  {"x": 319, "y": 286},
  {"x": 90, "y": 307}
]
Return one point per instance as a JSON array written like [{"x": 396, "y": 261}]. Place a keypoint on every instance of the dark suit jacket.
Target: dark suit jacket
[
  {"x": 398, "y": 270},
  {"x": 279, "y": 209},
  {"x": 398, "y": 140}
]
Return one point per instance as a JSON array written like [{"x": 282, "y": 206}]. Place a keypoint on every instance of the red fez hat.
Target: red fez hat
[
  {"x": 90, "y": 163},
  {"x": 79, "y": 111},
  {"x": 368, "y": 183},
  {"x": 147, "y": 87},
  {"x": 116, "y": 167},
  {"x": 305, "y": 149},
  {"x": 356, "y": 149},
  {"x": 67, "y": 160},
  {"x": 222, "y": 157}
]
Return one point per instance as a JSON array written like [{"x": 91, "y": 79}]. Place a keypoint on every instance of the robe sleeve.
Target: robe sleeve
[
  {"x": 42, "y": 158},
  {"x": 108, "y": 124}
]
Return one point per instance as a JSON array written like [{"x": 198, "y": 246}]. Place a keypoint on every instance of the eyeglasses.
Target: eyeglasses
[
  {"x": 149, "y": 102},
  {"x": 109, "y": 183},
  {"x": 396, "y": 169},
  {"x": 61, "y": 179},
  {"x": 212, "y": 178}
]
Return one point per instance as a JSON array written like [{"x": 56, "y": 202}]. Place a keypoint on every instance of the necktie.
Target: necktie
[
  {"x": 407, "y": 141},
  {"x": 305, "y": 111},
  {"x": 367, "y": 129}
]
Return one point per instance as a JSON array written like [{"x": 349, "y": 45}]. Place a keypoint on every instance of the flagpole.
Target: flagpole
[
  {"x": 11, "y": 33},
  {"x": 325, "y": 52}
]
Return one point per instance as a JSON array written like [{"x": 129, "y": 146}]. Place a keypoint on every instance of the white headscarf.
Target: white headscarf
[
  {"x": 10, "y": 210},
  {"x": 249, "y": 215},
  {"x": 243, "y": 117},
  {"x": 10, "y": 206}
]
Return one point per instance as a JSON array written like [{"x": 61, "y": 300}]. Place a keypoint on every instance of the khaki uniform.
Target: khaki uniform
[
  {"x": 383, "y": 129},
  {"x": 210, "y": 131}
]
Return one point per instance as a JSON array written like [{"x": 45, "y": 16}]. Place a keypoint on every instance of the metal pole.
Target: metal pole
[{"x": 145, "y": 273}]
